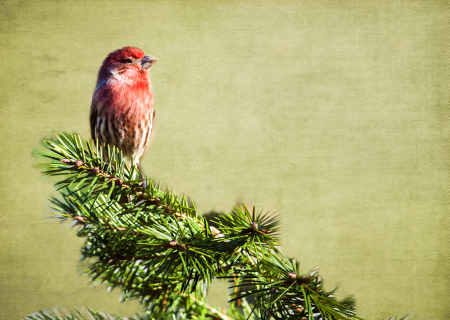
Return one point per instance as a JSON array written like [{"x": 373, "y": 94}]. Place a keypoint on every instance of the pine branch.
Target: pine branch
[{"x": 152, "y": 245}]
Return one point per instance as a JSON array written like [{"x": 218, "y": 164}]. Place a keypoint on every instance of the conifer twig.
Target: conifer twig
[{"x": 152, "y": 245}]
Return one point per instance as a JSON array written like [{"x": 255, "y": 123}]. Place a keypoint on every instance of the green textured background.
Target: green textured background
[{"x": 334, "y": 113}]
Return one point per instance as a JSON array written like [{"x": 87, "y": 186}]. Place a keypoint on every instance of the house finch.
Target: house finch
[{"x": 122, "y": 112}]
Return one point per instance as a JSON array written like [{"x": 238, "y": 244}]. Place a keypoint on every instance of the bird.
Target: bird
[{"x": 122, "y": 110}]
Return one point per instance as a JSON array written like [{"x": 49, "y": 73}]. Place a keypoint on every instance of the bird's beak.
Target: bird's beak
[{"x": 147, "y": 62}]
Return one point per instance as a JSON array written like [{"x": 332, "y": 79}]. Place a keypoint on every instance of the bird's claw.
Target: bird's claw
[
  {"x": 143, "y": 184},
  {"x": 107, "y": 164}
]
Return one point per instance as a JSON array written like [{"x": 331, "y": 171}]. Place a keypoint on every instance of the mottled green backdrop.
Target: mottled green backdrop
[{"x": 334, "y": 113}]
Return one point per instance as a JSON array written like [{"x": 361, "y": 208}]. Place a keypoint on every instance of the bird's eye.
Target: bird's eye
[{"x": 127, "y": 60}]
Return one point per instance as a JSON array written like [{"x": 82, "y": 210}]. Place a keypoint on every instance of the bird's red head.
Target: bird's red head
[
  {"x": 126, "y": 58},
  {"x": 120, "y": 55}
]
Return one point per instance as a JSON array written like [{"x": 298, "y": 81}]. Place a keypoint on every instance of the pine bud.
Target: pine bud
[
  {"x": 254, "y": 226},
  {"x": 95, "y": 170},
  {"x": 305, "y": 280},
  {"x": 77, "y": 163},
  {"x": 181, "y": 247},
  {"x": 214, "y": 230},
  {"x": 66, "y": 160},
  {"x": 293, "y": 275},
  {"x": 119, "y": 181},
  {"x": 173, "y": 243}
]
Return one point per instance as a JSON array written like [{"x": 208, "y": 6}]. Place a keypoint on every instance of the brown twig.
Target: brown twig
[{"x": 141, "y": 196}]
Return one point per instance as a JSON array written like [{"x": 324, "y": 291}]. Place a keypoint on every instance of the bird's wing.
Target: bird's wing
[
  {"x": 153, "y": 119},
  {"x": 93, "y": 116},
  {"x": 95, "y": 106}
]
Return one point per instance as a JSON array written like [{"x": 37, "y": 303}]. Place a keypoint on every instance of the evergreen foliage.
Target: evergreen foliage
[{"x": 152, "y": 245}]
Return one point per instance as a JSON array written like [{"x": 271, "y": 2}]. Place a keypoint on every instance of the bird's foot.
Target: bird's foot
[
  {"x": 107, "y": 164},
  {"x": 143, "y": 183}
]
